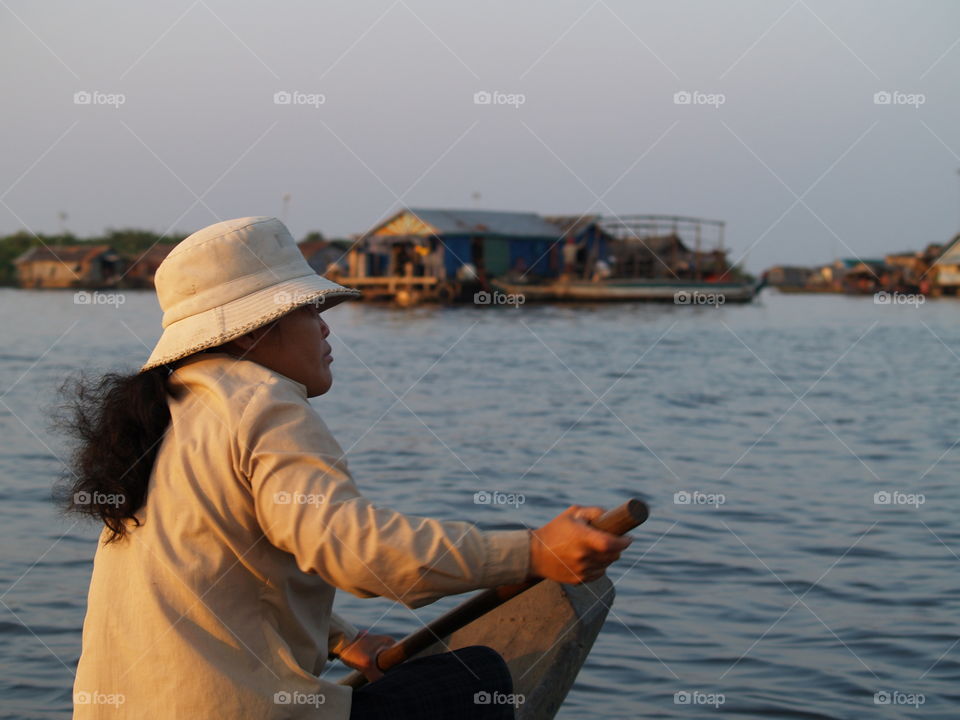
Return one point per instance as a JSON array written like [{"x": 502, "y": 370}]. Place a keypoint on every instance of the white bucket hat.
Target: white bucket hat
[{"x": 231, "y": 278}]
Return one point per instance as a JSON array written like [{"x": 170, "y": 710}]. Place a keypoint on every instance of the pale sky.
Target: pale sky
[{"x": 598, "y": 129}]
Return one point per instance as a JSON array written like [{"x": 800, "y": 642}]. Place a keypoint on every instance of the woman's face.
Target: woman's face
[{"x": 296, "y": 347}]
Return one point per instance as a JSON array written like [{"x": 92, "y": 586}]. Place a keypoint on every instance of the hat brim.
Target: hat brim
[{"x": 227, "y": 322}]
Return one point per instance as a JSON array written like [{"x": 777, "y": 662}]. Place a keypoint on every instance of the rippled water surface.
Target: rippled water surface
[{"x": 793, "y": 594}]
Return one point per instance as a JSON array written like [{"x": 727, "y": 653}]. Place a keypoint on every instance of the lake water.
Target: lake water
[{"x": 785, "y": 587}]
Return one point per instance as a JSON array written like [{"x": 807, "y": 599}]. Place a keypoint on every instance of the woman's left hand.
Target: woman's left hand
[{"x": 362, "y": 653}]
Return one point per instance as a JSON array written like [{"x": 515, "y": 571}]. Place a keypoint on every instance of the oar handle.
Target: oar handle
[
  {"x": 618, "y": 521},
  {"x": 623, "y": 518}
]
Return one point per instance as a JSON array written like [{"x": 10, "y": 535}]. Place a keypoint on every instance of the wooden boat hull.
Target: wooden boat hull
[
  {"x": 695, "y": 293},
  {"x": 545, "y": 635}
]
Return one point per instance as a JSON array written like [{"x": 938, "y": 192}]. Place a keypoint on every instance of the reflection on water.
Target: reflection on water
[{"x": 771, "y": 575}]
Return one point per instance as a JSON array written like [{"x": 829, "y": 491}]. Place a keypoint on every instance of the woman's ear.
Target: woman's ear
[{"x": 245, "y": 342}]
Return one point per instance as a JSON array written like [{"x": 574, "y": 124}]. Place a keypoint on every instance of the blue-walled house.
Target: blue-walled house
[{"x": 491, "y": 243}]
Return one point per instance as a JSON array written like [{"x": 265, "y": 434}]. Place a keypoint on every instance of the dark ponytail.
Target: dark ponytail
[{"x": 117, "y": 423}]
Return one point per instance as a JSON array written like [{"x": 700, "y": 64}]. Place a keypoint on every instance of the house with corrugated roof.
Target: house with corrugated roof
[
  {"x": 443, "y": 254},
  {"x": 68, "y": 266},
  {"x": 492, "y": 241}
]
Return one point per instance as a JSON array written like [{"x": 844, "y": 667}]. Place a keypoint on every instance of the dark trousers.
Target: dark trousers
[{"x": 472, "y": 683}]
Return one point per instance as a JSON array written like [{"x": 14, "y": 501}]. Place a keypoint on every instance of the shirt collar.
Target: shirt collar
[{"x": 202, "y": 356}]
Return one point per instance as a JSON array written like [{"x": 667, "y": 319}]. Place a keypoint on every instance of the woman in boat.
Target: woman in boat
[{"x": 230, "y": 516}]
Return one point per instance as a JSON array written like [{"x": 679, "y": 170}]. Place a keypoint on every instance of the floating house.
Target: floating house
[
  {"x": 946, "y": 269},
  {"x": 143, "y": 266},
  {"x": 830, "y": 278},
  {"x": 591, "y": 242},
  {"x": 652, "y": 256},
  {"x": 790, "y": 278},
  {"x": 440, "y": 254},
  {"x": 866, "y": 277},
  {"x": 913, "y": 271},
  {"x": 642, "y": 258},
  {"x": 906, "y": 267},
  {"x": 68, "y": 266},
  {"x": 669, "y": 247},
  {"x": 324, "y": 256}
]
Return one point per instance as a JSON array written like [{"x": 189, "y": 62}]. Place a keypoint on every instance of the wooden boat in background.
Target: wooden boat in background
[{"x": 680, "y": 292}]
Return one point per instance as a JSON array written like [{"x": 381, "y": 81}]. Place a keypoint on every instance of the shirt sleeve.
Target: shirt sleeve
[
  {"x": 308, "y": 505},
  {"x": 341, "y": 634}
]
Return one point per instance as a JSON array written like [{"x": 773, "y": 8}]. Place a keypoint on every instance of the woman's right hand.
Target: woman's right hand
[{"x": 568, "y": 550}]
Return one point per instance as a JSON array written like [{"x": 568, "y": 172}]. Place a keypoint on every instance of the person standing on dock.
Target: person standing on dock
[
  {"x": 230, "y": 517},
  {"x": 571, "y": 250},
  {"x": 434, "y": 266}
]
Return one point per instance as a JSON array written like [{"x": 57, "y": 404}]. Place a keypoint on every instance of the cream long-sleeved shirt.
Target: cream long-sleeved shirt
[{"x": 219, "y": 604}]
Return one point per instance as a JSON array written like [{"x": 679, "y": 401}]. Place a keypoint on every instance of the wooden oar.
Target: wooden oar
[{"x": 618, "y": 521}]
